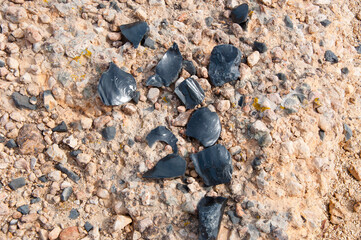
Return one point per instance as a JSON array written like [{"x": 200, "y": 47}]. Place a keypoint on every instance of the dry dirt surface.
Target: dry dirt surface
[{"x": 294, "y": 138}]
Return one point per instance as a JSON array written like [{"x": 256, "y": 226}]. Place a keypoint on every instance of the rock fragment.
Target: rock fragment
[
  {"x": 190, "y": 93},
  {"x": 121, "y": 222},
  {"x": 115, "y": 86},
  {"x": 170, "y": 166},
  {"x": 358, "y": 49},
  {"x": 331, "y": 57},
  {"x": 325, "y": 22},
  {"x": 56, "y": 154},
  {"x": 88, "y": 226},
  {"x": 355, "y": 171},
  {"x": 189, "y": 67},
  {"x": 65, "y": 195},
  {"x": 49, "y": 101},
  {"x": 260, "y": 47},
  {"x": 153, "y": 95},
  {"x": 108, "y": 133},
  {"x": 24, "y": 209},
  {"x": 347, "y": 131},
  {"x": 288, "y": 22},
  {"x": 74, "y": 214},
  {"x": 224, "y": 64},
  {"x": 11, "y": 144},
  {"x": 17, "y": 183},
  {"x": 61, "y": 127},
  {"x": 239, "y": 14},
  {"x": 22, "y": 101},
  {"x": 204, "y": 126},
  {"x": 163, "y": 134},
  {"x": 70, "y": 233},
  {"x": 135, "y": 32},
  {"x": 73, "y": 176},
  {"x": 214, "y": 165}
]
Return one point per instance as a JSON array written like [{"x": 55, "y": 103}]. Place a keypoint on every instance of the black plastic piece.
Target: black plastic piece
[
  {"x": 190, "y": 93},
  {"x": 163, "y": 134},
  {"x": 170, "y": 166}
]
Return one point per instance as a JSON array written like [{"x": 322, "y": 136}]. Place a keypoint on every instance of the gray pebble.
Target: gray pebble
[
  {"x": 65, "y": 195},
  {"x": 24, "y": 209},
  {"x": 74, "y": 214},
  {"x": 17, "y": 183}
]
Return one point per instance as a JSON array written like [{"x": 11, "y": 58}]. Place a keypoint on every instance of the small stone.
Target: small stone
[
  {"x": 108, "y": 133},
  {"x": 17, "y": 183},
  {"x": 288, "y": 22},
  {"x": 22, "y": 101},
  {"x": 44, "y": 18},
  {"x": 12, "y": 63},
  {"x": 357, "y": 207},
  {"x": 71, "y": 141},
  {"x": 358, "y": 49},
  {"x": 11, "y": 144},
  {"x": 54, "y": 234},
  {"x": 33, "y": 34},
  {"x": 103, "y": 193},
  {"x": 135, "y": 32},
  {"x": 56, "y": 154},
  {"x": 24, "y": 209},
  {"x": 49, "y": 101},
  {"x": 144, "y": 224},
  {"x": 70, "y": 233},
  {"x": 232, "y": 216},
  {"x": 355, "y": 170},
  {"x": 331, "y": 57},
  {"x": 325, "y": 22},
  {"x": 43, "y": 179},
  {"x": 129, "y": 109},
  {"x": 345, "y": 70},
  {"x": 253, "y": 58},
  {"x": 141, "y": 14},
  {"x": 75, "y": 153},
  {"x": 153, "y": 95},
  {"x": 74, "y": 214},
  {"x": 88, "y": 227},
  {"x": 114, "y": 36},
  {"x": 54, "y": 176},
  {"x": 223, "y": 105},
  {"x": 35, "y": 200},
  {"x": 16, "y": 14},
  {"x": 83, "y": 158},
  {"x": 65, "y": 195},
  {"x": 121, "y": 222},
  {"x": 86, "y": 123},
  {"x": 73, "y": 176},
  {"x": 260, "y": 47},
  {"x": 61, "y": 127},
  {"x": 239, "y": 14},
  {"x": 182, "y": 119},
  {"x": 149, "y": 43},
  {"x": 347, "y": 131}
]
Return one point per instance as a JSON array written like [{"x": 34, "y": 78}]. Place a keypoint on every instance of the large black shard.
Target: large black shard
[
  {"x": 210, "y": 213},
  {"x": 190, "y": 93},
  {"x": 224, "y": 64},
  {"x": 214, "y": 165},
  {"x": 163, "y": 134},
  {"x": 168, "y": 68},
  {"x": 204, "y": 126},
  {"x": 239, "y": 14},
  {"x": 135, "y": 32},
  {"x": 116, "y": 87},
  {"x": 170, "y": 166}
]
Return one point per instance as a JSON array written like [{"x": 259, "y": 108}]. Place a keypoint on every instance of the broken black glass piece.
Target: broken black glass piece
[
  {"x": 116, "y": 87},
  {"x": 163, "y": 134},
  {"x": 204, "y": 126},
  {"x": 22, "y": 101},
  {"x": 214, "y": 165},
  {"x": 136, "y": 96},
  {"x": 61, "y": 127},
  {"x": 331, "y": 57},
  {"x": 189, "y": 67},
  {"x": 190, "y": 93},
  {"x": 168, "y": 68},
  {"x": 239, "y": 14},
  {"x": 135, "y": 32},
  {"x": 170, "y": 166},
  {"x": 224, "y": 64},
  {"x": 210, "y": 213}
]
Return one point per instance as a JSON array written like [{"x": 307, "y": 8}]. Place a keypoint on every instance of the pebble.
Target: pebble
[
  {"x": 33, "y": 34},
  {"x": 108, "y": 133},
  {"x": 22, "y": 101},
  {"x": 24, "y": 209},
  {"x": 153, "y": 95},
  {"x": 129, "y": 109},
  {"x": 331, "y": 57},
  {"x": 144, "y": 224},
  {"x": 347, "y": 131},
  {"x": 65, "y": 195},
  {"x": 43, "y": 179},
  {"x": 56, "y": 154},
  {"x": 345, "y": 71},
  {"x": 73, "y": 176},
  {"x": 355, "y": 170},
  {"x": 141, "y": 14},
  {"x": 103, "y": 193},
  {"x": 260, "y": 47},
  {"x": 49, "y": 101},
  {"x": 16, "y": 14},
  {"x": 239, "y": 14},
  {"x": 12, "y": 63},
  {"x": 358, "y": 49},
  {"x": 86, "y": 123},
  {"x": 61, "y": 127},
  {"x": 74, "y": 214},
  {"x": 253, "y": 58},
  {"x": 223, "y": 105},
  {"x": 288, "y": 22},
  {"x": 149, "y": 43},
  {"x": 71, "y": 141},
  {"x": 121, "y": 222},
  {"x": 70, "y": 233},
  {"x": 325, "y": 22},
  {"x": 54, "y": 176},
  {"x": 35, "y": 200},
  {"x": 54, "y": 234},
  {"x": 11, "y": 144},
  {"x": 114, "y": 36}
]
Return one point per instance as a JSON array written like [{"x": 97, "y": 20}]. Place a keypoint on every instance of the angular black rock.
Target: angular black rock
[
  {"x": 321, "y": 133},
  {"x": 148, "y": 42},
  {"x": 241, "y": 101},
  {"x": 75, "y": 153},
  {"x": 281, "y": 76},
  {"x": 260, "y": 47},
  {"x": 204, "y": 126},
  {"x": 347, "y": 131},
  {"x": 108, "y": 133},
  {"x": 325, "y": 23},
  {"x": 288, "y": 22},
  {"x": 73, "y": 176},
  {"x": 115, "y": 6},
  {"x": 189, "y": 67},
  {"x": 43, "y": 179},
  {"x": 345, "y": 70},
  {"x": 331, "y": 57},
  {"x": 233, "y": 217},
  {"x": 239, "y": 14},
  {"x": 65, "y": 195},
  {"x": 61, "y": 127},
  {"x": 170, "y": 166},
  {"x": 168, "y": 68},
  {"x": 224, "y": 64},
  {"x": 190, "y": 93},
  {"x": 214, "y": 165},
  {"x": 358, "y": 49},
  {"x": 17, "y": 183},
  {"x": 88, "y": 227},
  {"x": 11, "y": 143},
  {"x": 135, "y": 32},
  {"x": 210, "y": 213},
  {"x": 35, "y": 200},
  {"x": 163, "y": 134},
  {"x": 116, "y": 87},
  {"x": 24, "y": 209},
  {"x": 22, "y": 101},
  {"x": 74, "y": 214}
]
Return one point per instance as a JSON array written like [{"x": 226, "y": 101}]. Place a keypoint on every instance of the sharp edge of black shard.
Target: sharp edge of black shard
[
  {"x": 170, "y": 166},
  {"x": 168, "y": 68},
  {"x": 190, "y": 93},
  {"x": 115, "y": 86},
  {"x": 210, "y": 213},
  {"x": 22, "y": 101},
  {"x": 213, "y": 165},
  {"x": 135, "y": 32},
  {"x": 331, "y": 57},
  {"x": 72, "y": 175},
  {"x": 61, "y": 127},
  {"x": 189, "y": 67},
  {"x": 205, "y": 126},
  {"x": 239, "y": 14},
  {"x": 224, "y": 64},
  {"x": 347, "y": 132},
  {"x": 163, "y": 134},
  {"x": 321, "y": 133},
  {"x": 136, "y": 97}
]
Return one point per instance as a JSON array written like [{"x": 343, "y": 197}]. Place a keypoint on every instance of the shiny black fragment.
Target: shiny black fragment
[
  {"x": 190, "y": 93},
  {"x": 115, "y": 86},
  {"x": 224, "y": 64},
  {"x": 331, "y": 57},
  {"x": 205, "y": 126},
  {"x": 135, "y": 32},
  {"x": 163, "y": 134},
  {"x": 260, "y": 47},
  {"x": 189, "y": 67},
  {"x": 170, "y": 166},
  {"x": 239, "y": 14},
  {"x": 72, "y": 175},
  {"x": 61, "y": 127},
  {"x": 214, "y": 165},
  {"x": 22, "y": 101},
  {"x": 210, "y": 213}
]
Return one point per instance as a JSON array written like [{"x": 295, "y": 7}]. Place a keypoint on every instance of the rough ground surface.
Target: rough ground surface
[{"x": 286, "y": 180}]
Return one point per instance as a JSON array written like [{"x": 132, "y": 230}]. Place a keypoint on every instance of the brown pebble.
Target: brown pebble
[{"x": 70, "y": 233}]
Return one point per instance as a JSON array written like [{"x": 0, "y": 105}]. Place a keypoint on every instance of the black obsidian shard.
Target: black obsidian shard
[
  {"x": 331, "y": 57},
  {"x": 190, "y": 93},
  {"x": 163, "y": 134},
  {"x": 168, "y": 68},
  {"x": 204, "y": 126},
  {"x": 239, "y": 14},
  {"x": 170, "y": 166},
  {"x": 135, "y": 32},
  {"x": 214, "y": 165},
  {"x": 210, "y": 213},
  {"x": 61, "y": 127},
  {"x": 224, "y": 64},
  {"x": 116, "y": 87}
]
